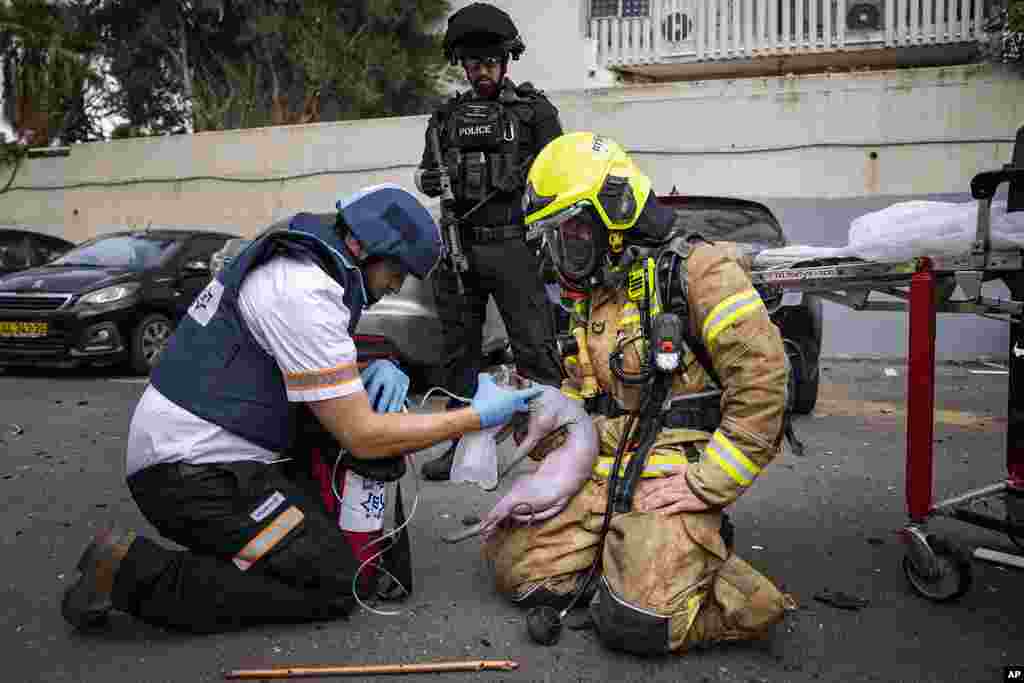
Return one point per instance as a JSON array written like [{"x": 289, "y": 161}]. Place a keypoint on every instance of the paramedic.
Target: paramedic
[{"x": 273, "y": 331}]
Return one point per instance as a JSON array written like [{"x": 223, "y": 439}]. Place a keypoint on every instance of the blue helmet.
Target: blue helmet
[{"x": 390, "y": 221}]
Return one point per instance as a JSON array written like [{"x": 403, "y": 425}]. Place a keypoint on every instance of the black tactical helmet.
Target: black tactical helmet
[{"x": 481, "y": 30}]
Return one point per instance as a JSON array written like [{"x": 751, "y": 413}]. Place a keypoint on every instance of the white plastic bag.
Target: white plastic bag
[
  {"x": 909, "y": 229},
  {"x": 476, "y": 459}
]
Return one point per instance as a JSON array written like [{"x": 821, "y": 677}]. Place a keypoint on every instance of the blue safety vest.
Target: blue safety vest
[{"x": 215, "y": 369}]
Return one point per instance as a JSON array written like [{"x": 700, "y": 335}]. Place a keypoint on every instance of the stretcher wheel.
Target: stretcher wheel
[{"x": 953, "y": 574}]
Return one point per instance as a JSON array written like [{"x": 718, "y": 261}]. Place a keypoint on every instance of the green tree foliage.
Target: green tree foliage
[
  {"x": 1015, "y": 16},
  {"x": 50, "y": 80},
  {"x": 214, "y": 64}
]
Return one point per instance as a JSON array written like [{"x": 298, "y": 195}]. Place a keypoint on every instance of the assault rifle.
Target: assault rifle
[{"x": 456, "y": 258}]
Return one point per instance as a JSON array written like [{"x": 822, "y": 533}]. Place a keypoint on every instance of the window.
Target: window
[
  {"x": 619, "y": 8},
  {"x": 133, "y": 252},
  {"x": 202, "y": 249},
  {"x": 15, "y": 253},
  {"x": 46, "y": 250}
]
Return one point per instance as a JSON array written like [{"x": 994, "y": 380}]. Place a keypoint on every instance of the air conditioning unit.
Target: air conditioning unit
[
  {"x": 676, "y": 27},
  {"x": 865, "y": 15}
]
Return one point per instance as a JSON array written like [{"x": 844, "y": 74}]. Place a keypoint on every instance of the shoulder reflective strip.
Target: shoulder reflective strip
[
  {"x": 268, "y": 538},
  {"x": 730, "y": 459},
  {"x": 342, "y": 374},
  {"x": 729, "y": 311}
]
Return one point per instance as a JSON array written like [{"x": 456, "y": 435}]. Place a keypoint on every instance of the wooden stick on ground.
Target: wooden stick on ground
[{"x": 370, "y": 669}]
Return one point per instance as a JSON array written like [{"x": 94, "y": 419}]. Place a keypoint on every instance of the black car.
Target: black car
[
  {"x": 21, "y": 249},
  {"x": 115, "y": 298},
  {"x": 798, "y": 316}
]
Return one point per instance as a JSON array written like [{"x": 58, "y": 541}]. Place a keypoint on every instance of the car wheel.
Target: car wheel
[
  {"x": 149, "y": 338},
  {"x": 803, "y": 386}
]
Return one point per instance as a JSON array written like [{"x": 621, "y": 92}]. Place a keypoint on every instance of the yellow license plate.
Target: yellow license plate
[{"x": 24, "y": 330}]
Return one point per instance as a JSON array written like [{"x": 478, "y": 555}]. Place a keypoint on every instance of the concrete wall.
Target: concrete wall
[
  {"x": 875, "y": 134},
  {"x": 804, "y": 145}
]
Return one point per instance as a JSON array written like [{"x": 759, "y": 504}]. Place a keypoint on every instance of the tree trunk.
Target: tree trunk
[{"x": 186, "y": 75}]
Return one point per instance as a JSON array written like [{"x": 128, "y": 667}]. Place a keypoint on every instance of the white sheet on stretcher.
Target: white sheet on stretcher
[{"x": 908, "y": 230}]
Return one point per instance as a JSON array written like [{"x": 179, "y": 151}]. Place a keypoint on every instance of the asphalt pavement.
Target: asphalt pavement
[{"x": 824, "y": 521}]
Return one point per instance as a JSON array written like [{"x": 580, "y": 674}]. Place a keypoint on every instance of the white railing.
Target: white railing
[{"x": 697, "y": 30}]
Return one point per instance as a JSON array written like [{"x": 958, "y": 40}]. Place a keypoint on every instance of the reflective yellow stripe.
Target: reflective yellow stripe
[
  {"x": 630, "y": 315},
  {"x": 692, "y": 607},
  {"x": 738, "y": 466},
  {"x": 655, "y": 466},
  {"x": 268, "y": 538},
  {"x": 572, "y": 393},
  {"x": 729, "y": 311}
]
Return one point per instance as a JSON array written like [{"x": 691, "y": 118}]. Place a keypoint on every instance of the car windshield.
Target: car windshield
[
  {"x": 14, "y": 252},
  {"x": 133, "y": 252},
  {"x": 731, "y": 224}
]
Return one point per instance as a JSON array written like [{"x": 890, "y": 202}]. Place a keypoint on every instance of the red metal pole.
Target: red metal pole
[
  {"x": 920, "y": 392},
  {"x": 1015, "y": 411}
]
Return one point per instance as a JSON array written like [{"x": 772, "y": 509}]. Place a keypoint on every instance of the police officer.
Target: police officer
[
  {"x": 488, "y": 137},
  {"x": 271, "y": 336}
]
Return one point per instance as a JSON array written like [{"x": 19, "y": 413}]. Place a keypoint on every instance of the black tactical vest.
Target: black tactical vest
[{"x": 483, "y": 143}]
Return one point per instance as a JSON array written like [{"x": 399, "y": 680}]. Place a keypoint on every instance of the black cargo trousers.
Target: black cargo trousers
[
  {"x": 216, "y": 511},
  {"x": 507, "y": 269}
]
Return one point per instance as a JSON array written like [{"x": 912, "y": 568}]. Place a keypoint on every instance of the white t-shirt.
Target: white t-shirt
[{"x": 297, "y": 314}]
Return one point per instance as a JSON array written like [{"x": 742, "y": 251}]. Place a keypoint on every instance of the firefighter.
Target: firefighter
[
  {"x": 487, "y": 137},
  {"x": 269, "y": 338},
  {"x": 661, "y": 314}
]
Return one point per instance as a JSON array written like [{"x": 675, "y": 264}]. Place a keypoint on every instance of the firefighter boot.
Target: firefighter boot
[
  {"x": 440, "y": 468},
  {"x": 743, "y": 604},
  {"x": 87, "y": 602}
]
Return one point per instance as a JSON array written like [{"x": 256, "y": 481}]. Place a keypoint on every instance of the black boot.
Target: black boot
[
  {"x": 440, "y": 468},
  {"x": 87, "y": 602}
]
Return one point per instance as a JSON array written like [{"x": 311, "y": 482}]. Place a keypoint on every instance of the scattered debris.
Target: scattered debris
[
  {"x": 83, "y": 403},
  {"x": 872, "y": 540},
  {"x": 582, "y": 622},
  {"x": 485, "y": 642},
  {"x": 892, "y": 372},
  {"x": 15, "y": 431},
  {"x": 757, "y": 547},
  {"x": 841, "y": 600},
  {"x": 470, "y": 520}
]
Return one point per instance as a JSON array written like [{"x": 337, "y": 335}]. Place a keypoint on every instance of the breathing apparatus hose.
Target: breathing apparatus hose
[
  {"x": 606, "y": 523},
  {"x": 653, "y": 417},
  {"x": 544, "y": 623}
]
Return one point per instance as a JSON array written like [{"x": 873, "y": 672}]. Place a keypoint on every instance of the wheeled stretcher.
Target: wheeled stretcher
[{"x": 924, "y": 286}]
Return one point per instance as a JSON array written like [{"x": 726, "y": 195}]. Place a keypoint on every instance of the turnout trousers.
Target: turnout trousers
[
  {"x": 507, "y": 270},
  {"x": 260, "y": 549},
  {"x": 666, "y": 583}
]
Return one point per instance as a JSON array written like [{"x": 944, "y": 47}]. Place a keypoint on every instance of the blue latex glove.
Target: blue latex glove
[
  {"x": 386, "y": 385},
  {"x": 496, "y": 405}
]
